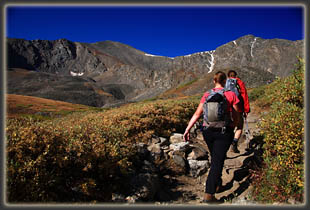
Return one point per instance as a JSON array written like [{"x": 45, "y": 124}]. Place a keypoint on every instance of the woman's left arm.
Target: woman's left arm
[{"x": 193, "y": 120}]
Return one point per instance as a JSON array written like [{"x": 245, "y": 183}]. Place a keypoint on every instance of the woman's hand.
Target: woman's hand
[
  {"x": 186, "y": 135},
  {"x": 193, "y": 120}
]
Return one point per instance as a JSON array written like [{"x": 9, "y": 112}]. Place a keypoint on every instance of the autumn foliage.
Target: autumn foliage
[
  {"x": 84, "y": 156},
  {"x": 282, "y": 178}
]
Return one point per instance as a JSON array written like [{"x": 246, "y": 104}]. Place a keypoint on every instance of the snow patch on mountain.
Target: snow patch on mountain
[
  {"x": 252, "y": 46},
  {"x": 146, "y": 54},
  {"x": 76, "y": 74},
  {"x": 211, "y": 66}
]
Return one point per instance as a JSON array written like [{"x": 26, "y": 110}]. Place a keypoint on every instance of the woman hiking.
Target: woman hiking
[
  {"x": 217, "y": 133},
  {"x": 236, "y": 85}
]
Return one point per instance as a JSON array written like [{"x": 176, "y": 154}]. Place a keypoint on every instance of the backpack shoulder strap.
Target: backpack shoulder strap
[
  {"x": 222, "y": 91},
  {"x": 212, "y": 93},
  {"x": 209, "y": 93}
]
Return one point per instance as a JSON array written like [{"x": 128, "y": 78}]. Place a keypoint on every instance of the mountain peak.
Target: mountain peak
[
  {"x": 110, "y": 43},
  {"x": 131, "y": 75}
]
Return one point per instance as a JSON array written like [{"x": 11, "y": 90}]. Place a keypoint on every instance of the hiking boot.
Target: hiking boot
[
  {"x": 235, "y": 147},
  {"x": 210, "y": 199}
]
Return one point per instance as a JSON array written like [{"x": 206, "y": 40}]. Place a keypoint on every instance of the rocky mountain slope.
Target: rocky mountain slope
[{"x": 107, "y": 73}]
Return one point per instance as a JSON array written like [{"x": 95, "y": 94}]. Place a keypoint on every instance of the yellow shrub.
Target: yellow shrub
[
  {"x": 90, "y": 152},
  {"x": 283, "y": 130}
]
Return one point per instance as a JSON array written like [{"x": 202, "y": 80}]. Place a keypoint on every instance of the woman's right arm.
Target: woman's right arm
[{"x": 193, "y": 120}]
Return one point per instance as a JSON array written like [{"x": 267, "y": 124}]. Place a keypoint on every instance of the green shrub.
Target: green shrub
[
  {"x": 256, "y": 93},
  {"x": 282, "y": 178}
]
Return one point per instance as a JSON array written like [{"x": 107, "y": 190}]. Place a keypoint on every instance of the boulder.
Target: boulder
[
  {"x": 176, "y": 138},
  {"x": 144, "y": 186},
  {"x": 198, "y": 153},
  {"x": 163, "y": 141},
  {"x": 155, "y": 151},
  {"x": 175, "y": 166},
  {"x": 198, "y": 167},
  {"x": 179, "y": 160},
  {"x": 154, "y": 148},
  {"x": 155, "y": 140},
  {"x": 181, "y": 146}
]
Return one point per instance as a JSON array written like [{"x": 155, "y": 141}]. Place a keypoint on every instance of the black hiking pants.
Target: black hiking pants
[{"x": 218, "y": 144}]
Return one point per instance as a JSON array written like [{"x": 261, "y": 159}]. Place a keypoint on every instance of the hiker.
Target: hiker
[
  {"x": 236, "y": 85},
  {"x": 218, "y": 135}
]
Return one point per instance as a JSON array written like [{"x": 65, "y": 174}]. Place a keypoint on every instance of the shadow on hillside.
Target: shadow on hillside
[{"x": 243, "y": 175}]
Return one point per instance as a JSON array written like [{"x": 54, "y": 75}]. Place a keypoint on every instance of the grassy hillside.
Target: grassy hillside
[
  {"x": 91, "y": 151},
  {"x": 202, "y": 83},
  {"x": 57, "y": 87},
  {"x": 21, "y": 106},
  {"x": 195, "y": 86},
  {"x": 282, "y": 177}
]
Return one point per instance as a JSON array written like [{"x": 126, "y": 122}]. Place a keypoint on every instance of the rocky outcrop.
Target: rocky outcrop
[
  {"x": 249, "y": 54},
  {"x": 128, "y": 74},
  {"x": 58, "y": 57}
]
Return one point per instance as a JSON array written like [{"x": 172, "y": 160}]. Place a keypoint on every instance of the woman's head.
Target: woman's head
[
  {"x": 220, "y": 77},
  {"x": 232, "y": 73}
]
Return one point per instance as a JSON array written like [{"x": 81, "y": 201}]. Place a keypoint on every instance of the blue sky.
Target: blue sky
[{"x": 160, "y": 30}]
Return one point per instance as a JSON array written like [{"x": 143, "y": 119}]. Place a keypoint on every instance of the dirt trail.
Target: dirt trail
[{"x": 235, "y": 176}]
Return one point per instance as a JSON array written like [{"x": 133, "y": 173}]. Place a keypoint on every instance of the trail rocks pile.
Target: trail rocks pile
[
  {"x": 182, "y": 157},
  {"x": 162, "y": 159},
  {"x": 172, "y": 171}
]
